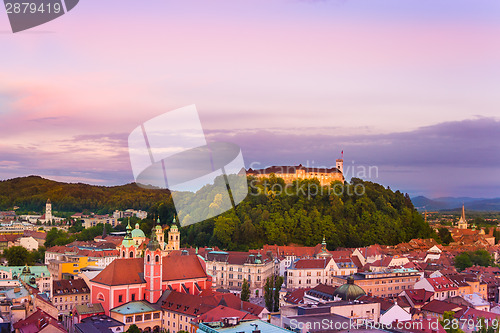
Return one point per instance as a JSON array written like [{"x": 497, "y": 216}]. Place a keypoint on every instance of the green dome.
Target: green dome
[
  {"x": 349, "y": 291},
  {"x": 137, "y": 232}
]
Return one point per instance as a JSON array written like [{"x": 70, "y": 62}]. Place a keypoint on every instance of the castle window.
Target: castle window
[
  {"x": 149, "y": 258},
  {"x": 100, "y": 297},
  {"x": 120, "y": 298},
  {"x": 123, "y": 254},
  {"x": 131, "y": 254},
  {"x": 157, "y": 258}
]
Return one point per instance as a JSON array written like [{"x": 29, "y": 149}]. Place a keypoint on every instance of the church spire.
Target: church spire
[{"x": 463, "y": 211}]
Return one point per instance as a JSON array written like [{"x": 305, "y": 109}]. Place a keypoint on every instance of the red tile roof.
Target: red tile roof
[
  {"x": 220, "y": 312},
  {"x": 35, "y": 234},
  {"x": 440, "y": 307},
  {"x": 130, "y": 271},
  {"x": 311, "y": 263},
  {"x": 441, "y": 283},
  {"x": 69, "y": 287},
  {"x": 291, "y": 250},
  {"x": 419, "y": 296},
  {"x": 296, "y": 296},
  {"x": 38, "y": 321},
  {"x": 195, "y": 305}
]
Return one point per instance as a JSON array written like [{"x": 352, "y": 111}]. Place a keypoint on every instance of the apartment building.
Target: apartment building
[
  {"x": 388, "y": 283},
  {"x": 307, "y": 273},
  {"x": 67, "y": 294},
  {"x": 229, "y": 269}
]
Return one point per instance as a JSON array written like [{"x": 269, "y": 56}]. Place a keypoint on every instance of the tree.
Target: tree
[
  {"x": 277, "y": 287},
  {"x": 245, "y": 291},
  {"x": 18, "y": 256},
  {"x": 272, "y": 293},
  {"x": 468, "y": 259},
  {"x": 133, "y": 329},
  {"x": 268, "y": 293},
  {"x": 445, "y": 236},
  {"x": 463, "y": 261},
  {"x": 450, "y": 323},
  {"x": 38, "y": 256}
]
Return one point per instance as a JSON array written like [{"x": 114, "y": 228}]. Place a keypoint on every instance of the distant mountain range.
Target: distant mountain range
[{"x": 422, "y": 203}]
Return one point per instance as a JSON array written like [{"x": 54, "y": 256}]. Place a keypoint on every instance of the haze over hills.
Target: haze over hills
[{"x": 422, "y": 203}]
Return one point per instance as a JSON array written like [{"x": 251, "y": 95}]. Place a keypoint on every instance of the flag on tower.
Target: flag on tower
[{"x": 342, "y": 153}]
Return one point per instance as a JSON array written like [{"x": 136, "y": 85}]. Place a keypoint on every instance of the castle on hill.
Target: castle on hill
[{"x": 291, "y": 173}]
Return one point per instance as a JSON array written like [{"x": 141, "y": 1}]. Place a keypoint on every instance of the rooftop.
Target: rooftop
[{"x": 135, "y": 307}]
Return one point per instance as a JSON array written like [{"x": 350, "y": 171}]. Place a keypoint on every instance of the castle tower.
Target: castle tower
[
  {"x": 153, "y": 271},
  {"x": 339, "y": 162},
  {"x": 48, "y": 211},
  {"x": 174, "y": 237},
  {"x": 462, "y": 223}
]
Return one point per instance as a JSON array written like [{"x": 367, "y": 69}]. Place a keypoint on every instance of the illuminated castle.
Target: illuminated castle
[{"x": 292, "y": 173}]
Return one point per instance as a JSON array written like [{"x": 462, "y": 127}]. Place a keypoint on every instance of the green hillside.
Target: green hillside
[
  {"x": 266, "y": 216},
  {"x": 31, "y": 194},
  {"x": 378, "y": 215}
]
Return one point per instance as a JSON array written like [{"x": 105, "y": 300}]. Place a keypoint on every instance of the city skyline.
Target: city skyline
[{"x": 410, "y": 88}]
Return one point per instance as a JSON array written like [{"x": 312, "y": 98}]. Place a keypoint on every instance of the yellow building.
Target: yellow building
[
  {"x": 468, "y": 284},
  {"x": 291, "y": 173},
  {"x": 71, "y": 264}
]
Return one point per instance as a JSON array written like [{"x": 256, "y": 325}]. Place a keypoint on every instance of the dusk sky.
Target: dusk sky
[{"x": 410, "y": 87}]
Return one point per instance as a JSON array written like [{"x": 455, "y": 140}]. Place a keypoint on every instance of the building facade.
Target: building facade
[
  {"x": 230, "y": 269},
  {"x": 383, "y": 284}
]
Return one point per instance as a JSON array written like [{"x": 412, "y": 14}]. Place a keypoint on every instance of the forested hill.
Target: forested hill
[
  {"x": 31, "y": 194},
  {"x": 379, "y": 216},
  {"x": 267, "y": 216}
]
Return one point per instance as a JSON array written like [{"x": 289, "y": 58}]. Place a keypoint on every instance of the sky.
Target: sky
[{"x": 408, "y": 89}]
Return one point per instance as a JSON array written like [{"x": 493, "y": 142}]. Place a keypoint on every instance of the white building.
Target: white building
[
  {"x": 394, "y": 313},
  {"x": 29, "y": 243},
  {"x": 307, "y": 273}
]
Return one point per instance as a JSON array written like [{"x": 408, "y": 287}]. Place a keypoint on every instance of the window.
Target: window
[
  {"x": 129, "y": 319},
  {"x": 120, "y": 298},
  {"x": 149, "y": 258},
  {"x": 133, "y": 297},
  {"x": 138, "y": 318},
  {"x": 157, "y": 258},
  {"x": 147, "y": 316},
  {"x": 131, "y": 254}
]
